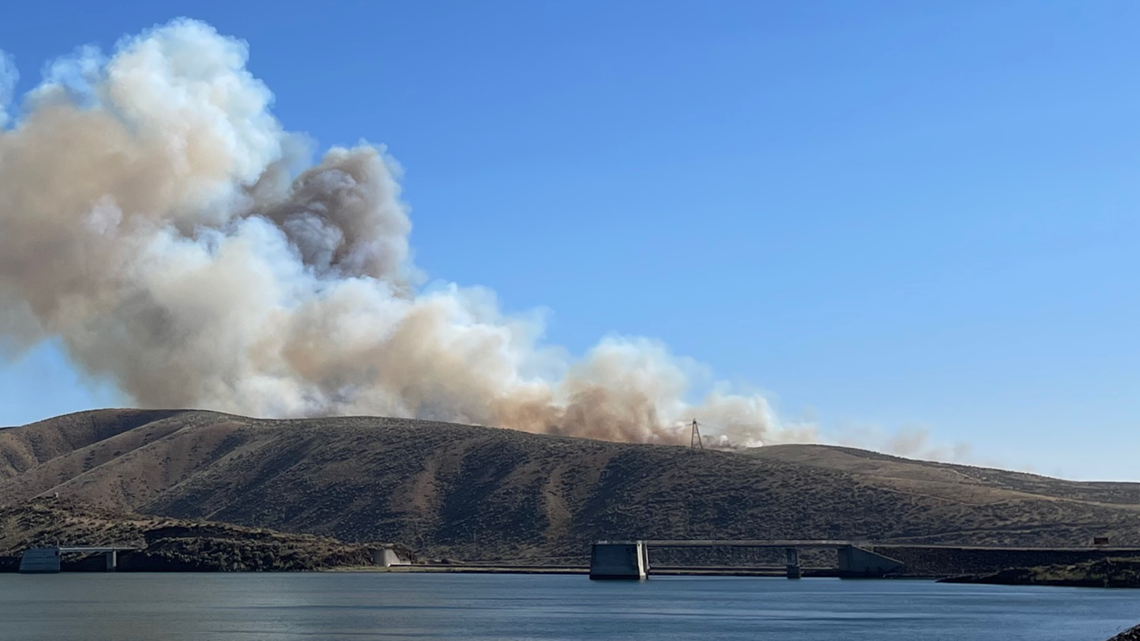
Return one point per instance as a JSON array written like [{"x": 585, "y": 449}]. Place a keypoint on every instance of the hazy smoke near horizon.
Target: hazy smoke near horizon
[{"x": 158, "y": 219}]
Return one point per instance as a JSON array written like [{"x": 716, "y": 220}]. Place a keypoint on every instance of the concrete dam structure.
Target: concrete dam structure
[
  {"x": 48, "y": 560},
  {"x": 630, "y": 559},
  {"x": 862, "y": 559},
  {"x": 619, "y": 560}
]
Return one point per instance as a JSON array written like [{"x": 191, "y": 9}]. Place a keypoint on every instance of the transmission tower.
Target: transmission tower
[{"x": 695, "y": 438}]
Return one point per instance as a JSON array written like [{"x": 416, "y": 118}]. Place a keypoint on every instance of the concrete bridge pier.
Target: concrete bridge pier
[
  {"x": 387, "y": 557},
  {"x": 112, "y": 559},
  {"x": 619, "y": 560},
  {"x": 40, "y": 561},
  {"x": 793, "y": 559},
  {"x": 857, "y": 562}
]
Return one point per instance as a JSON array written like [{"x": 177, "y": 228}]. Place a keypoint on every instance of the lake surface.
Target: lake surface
[{"x": 360, "y": 607}]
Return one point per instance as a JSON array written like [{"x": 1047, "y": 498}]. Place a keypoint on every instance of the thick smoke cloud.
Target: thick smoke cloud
[{"x": 158, "y": 220}]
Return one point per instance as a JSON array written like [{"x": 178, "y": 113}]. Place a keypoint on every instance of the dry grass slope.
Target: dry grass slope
[{"x": 490, "y": 494}]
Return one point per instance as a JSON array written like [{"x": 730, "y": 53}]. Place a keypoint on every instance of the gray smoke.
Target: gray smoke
[{"x": 157, "y": 219}]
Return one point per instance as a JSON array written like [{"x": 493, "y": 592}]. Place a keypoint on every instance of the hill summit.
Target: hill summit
[{"x": 487, "y": 494}]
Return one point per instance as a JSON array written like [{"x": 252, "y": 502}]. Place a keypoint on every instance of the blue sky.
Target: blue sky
[{"x": 887, "y": 215}]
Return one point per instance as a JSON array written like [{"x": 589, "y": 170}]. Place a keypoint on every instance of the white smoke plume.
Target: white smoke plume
[
  {"x": 157, "y": 219},
  {"x": 911, "y": 441}
]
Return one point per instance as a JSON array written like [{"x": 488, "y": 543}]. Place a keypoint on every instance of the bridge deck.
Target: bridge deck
[
  {"x": 749, "y": 544},
  {"x": 839, "y": 544},
  {"x": 95, "y": 549},
  {"x": 1002, "y": 548}
]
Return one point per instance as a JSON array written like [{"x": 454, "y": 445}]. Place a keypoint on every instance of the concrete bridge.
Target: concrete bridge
[
  {"x": 630, "y": 559},
  {"x": 47, "y": 560}
]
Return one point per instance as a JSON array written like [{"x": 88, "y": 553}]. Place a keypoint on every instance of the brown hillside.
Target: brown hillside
[
  {"x": 483, "y": 493},
  {"x": 954, "y": 476}
]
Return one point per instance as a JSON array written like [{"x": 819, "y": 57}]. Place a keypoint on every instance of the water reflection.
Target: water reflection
[{"x": 283, "y": 607}]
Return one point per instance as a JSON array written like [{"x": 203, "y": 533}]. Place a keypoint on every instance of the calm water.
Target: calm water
[{"x": 358, "y": 607}]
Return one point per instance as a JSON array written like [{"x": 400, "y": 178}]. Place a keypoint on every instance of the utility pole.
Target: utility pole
[{"x": 695, "y": 438}]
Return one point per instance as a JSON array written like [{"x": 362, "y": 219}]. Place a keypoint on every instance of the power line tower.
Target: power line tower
[{"x": 695, "y": 438}]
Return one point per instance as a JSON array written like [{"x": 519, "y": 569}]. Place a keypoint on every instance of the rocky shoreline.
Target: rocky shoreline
[
  {"x": 1102, "y": 573},
  {"x": 1128, "y": 635}
]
